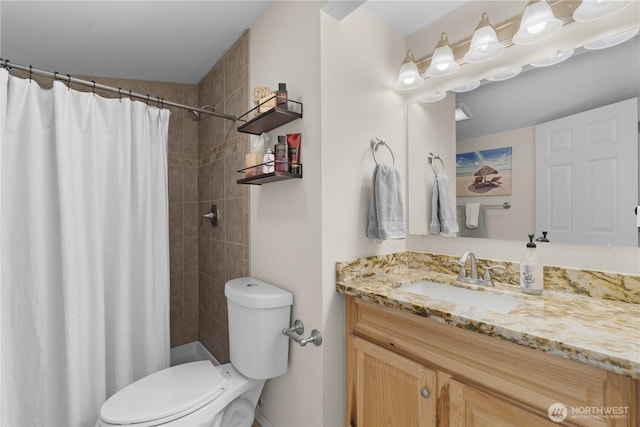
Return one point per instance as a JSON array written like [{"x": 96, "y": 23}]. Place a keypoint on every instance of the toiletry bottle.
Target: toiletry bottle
[
  {"x": 267, "y": 161},
  {"x": 281, "y": 96},
  {"x": 531, "y": 270},
  {"x": 282, "y": 157}
]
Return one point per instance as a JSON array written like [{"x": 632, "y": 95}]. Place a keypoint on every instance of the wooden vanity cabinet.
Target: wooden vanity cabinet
[
  {"x": 407, "y": 370},
  {"x": 390, "y": 389}
]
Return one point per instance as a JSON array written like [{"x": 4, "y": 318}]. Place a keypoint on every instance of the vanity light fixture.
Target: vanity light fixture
[
  {"x": 505, "y": 75},
  {"x": 590, "y": 10},
  {"x": 442, "y": 62},
  {"x": 538, "y": 23},
  {"x": 462, "y": 112},
  {"x": 467, "y": 87},
  {"x": 612, "y": 40},
  {"x": 438, "y": 96},
  {"x": 484, "y": 42},
  {"x": 554, "y": 59},
  {"x": 409, "y": 76}
]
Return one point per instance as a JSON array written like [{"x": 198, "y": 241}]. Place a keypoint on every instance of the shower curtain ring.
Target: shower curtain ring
[
  {"x": 55, "y": 75},
  {"x": 120, "y": 94},
  {"x": 68, "y": 81},
  {"x": 130, "y": 97},
  {"x": 94, "y": 87},
  {"x": 30, "y": 71},
  {"x": 158, "y": 101}
]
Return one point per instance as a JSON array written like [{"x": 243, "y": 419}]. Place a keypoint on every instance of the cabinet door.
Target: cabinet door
[
  {"x": 471, "y": 407},
  {"x": 392, "y": 390}
]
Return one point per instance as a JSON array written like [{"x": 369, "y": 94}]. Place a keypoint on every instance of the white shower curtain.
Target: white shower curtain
[{"x": 84, "y": 260}]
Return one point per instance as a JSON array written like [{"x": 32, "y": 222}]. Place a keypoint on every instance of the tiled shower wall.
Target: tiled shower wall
[
  {"x": 223, "y": 251},
  {"x": 183, "y": 195}
]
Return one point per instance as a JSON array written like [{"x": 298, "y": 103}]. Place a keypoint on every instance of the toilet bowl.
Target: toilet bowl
[
  {"x": 193, "y": 394},
  {"x": 200, "y": 394}
]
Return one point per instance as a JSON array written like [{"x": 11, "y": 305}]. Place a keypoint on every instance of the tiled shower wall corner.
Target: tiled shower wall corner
[
  {"x": 223, "y": 251},
  {"x": 183, "y": 195}
]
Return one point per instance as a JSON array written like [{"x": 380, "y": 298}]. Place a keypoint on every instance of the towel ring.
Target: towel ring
[
  {"x": 375, "y": 143},
  {"x": 431, "y": 157}
]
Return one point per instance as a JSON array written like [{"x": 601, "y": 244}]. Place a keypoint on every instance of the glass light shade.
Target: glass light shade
[
  {"x": 505, "y": 75},
  {"x": 442, "y": 61},
  {"x": 438, "y": 96},
  {"x": 409, "y": 76},
  {"x": 484, "y": 43},
  {"x": 590, "y": 10},
  {"x": 537, "y": 23},
  {"x": 612, "y": 40},
  {"x": 553, "y": 59},
  {"x": 467, "y": 87}
]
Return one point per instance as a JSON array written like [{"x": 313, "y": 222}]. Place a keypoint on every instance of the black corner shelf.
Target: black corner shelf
[{"x": 271, "y": 119}]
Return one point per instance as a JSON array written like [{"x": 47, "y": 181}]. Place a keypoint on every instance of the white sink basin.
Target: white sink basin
[{"x": 484, "y": 300}]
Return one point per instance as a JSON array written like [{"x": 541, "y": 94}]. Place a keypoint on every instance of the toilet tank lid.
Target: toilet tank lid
[{"x": 255, "y": 293}]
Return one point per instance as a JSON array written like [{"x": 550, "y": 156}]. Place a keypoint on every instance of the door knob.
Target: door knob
[{"x": 424, "y": 392}]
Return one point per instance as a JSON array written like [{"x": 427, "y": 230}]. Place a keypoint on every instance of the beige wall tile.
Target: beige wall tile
[
  {"x": 190, "y": 184},
  {"x": 221, "y": 150}
]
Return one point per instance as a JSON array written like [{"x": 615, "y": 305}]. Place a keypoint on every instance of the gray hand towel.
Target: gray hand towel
[
  {"x": 386, "y": 215},
  {"x": 443, "y": 217}
]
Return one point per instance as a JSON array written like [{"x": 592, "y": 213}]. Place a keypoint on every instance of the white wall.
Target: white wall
[
  {"x": 344, "y": 73},
  {"x": 360, "y": 59},
  {"x": 285, "y": 217}
]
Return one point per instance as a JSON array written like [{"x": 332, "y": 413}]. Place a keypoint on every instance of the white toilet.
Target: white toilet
[{"x": 201, "y": 394}]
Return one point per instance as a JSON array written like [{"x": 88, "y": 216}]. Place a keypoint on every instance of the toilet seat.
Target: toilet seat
[{"x": 165, "y": 395}]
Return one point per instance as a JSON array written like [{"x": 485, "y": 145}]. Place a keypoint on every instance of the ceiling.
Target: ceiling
[{"x": 176, "y": 41}]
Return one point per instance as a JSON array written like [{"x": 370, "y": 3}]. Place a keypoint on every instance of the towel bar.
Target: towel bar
[{"x": 505, "y": 205}]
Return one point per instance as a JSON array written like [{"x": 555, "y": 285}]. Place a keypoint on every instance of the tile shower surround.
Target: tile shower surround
[
  {"x": 223, "y": 251},
  {"x": 202, "y": 162}
]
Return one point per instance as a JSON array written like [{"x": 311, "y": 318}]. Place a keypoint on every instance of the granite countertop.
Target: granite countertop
[{"x": 599, "y": 332}]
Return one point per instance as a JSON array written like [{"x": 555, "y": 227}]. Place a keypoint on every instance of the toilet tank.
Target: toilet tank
[{"x": 257, "y": 312}]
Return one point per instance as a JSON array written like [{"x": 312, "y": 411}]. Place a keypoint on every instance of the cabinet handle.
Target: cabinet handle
[{"x": 424, "y": 392}]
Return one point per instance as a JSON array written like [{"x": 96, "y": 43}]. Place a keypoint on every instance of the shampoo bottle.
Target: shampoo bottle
[
  {"x": 531, "y": 270},
  {"x": 282, "y": 155}
]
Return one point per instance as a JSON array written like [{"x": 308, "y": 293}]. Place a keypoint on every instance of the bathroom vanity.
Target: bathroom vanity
[{"x": 557, "y": 359}]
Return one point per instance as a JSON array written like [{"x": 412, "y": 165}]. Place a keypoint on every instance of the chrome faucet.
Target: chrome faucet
[
  {"x": 473, "y": 275},
  {"x": 474, "y": 265}
]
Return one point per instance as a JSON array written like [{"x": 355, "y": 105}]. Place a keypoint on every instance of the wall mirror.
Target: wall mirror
[{"x": 505, "y": 114}]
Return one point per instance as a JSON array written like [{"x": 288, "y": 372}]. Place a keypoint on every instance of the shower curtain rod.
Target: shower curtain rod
[{"x": 66, "y": 78}]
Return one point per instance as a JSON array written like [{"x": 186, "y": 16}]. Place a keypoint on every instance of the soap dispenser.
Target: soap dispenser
[{"x": 531, "y": 270}]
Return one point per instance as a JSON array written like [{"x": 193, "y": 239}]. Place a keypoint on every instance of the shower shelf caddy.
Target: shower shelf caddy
[
  {"x": 271, "y": 119},
  {"x": 264, "y": 178},
  {"x": 264, "y": 122}
]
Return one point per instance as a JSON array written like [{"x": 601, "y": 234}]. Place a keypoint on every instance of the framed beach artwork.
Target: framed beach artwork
[{"x": 484, "y": 173}]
